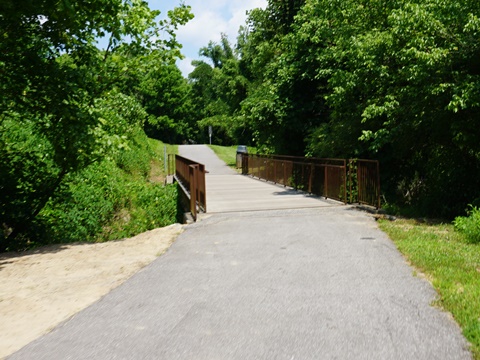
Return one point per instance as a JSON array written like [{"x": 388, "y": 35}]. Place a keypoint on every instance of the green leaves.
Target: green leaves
[
  {"x": 469, "y": 225},
  {"x": 58, "y": 85},
  {"x": 218, "y": 88},
  {"x": 393, "y": 80}
]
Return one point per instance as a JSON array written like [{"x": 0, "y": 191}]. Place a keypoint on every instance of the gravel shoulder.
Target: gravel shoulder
[{"x": 45, "y": 287}]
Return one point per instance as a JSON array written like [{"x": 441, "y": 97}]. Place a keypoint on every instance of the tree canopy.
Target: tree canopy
[
  {"x": 56, "y": 88},
  {"x": 393, "y": 80},
  {"x": 397, "y": 81}
]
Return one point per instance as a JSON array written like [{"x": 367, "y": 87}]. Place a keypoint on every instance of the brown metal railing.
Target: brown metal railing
[
  {"x": 191, "y": 177},
  {"x": 364, "y": 179},
  {"x": 322, "y": 177}
]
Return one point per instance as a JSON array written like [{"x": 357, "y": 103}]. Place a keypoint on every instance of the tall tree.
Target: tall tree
[
  {"x": 218, "y": 88},
  {"x": 51, "y": 75},
  {"x": 386, "y": 79}
]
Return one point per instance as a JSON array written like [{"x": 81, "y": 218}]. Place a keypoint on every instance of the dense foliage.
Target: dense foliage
[
  {"x": 218, "y": 87},
  {"x": 398, "y": 81},
  {"x": 65, "y": 113},
  {"x": 469, "y": 225}
]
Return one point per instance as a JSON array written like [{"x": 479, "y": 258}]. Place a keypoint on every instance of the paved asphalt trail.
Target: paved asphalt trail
[{"x": 316, "y": 283}]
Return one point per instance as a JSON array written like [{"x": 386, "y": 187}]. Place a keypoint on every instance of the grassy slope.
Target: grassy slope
[
  {"x": 229, "y": 153},
  {"x": 450, "y": 263},
  {"x": 147, "y": 205},
  {"x": 226, "y": 153},
  {"x": 157, "y": 164}
]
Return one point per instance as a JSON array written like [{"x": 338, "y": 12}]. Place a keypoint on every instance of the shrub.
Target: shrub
[
  {"x": 135, "y": 160},
  {"x": 83, "y": 205},
  {"x": 104, "y": 201},
  {"x": 148, "y": 206},
  {"x": 469, "y": 225},
  {"x": 27, "y": 170}
]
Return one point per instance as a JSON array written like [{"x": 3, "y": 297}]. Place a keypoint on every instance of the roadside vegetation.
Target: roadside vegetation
[
  {"x": 76, "y": 163},
  {"x": 451, "y": 262},
  {"x": 111, "y": 199},
  {"x": 228, "y": 154}
]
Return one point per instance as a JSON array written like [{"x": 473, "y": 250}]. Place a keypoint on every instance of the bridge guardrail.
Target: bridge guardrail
[
  {"x": 364, "y": 180},
  {"x": 355, "y": 180},
  {"x": 191, "y": 177}
]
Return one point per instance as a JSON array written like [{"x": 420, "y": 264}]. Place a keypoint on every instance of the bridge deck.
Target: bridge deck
[{"x": 228, "y": 191}]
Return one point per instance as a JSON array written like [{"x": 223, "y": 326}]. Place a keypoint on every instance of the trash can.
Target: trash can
[{"x": 241, "y": 149}]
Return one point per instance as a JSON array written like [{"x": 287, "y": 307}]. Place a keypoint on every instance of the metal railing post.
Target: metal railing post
[
  {"x": 310, "y": 178},
  {"x": 274, "y": 171},
  {"x": 359, "y": 183},
  {"x": 326, "y": 182},
  {"x": 202, "y": 186},
  {"x": 350, "y": 178},
  {"x": 193, "y": 191},
  {"x": 345, "y": 181}
]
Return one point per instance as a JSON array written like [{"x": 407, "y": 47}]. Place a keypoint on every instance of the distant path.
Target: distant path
[
  {"x": 308, "y": 284},
  {"x": 204, "y": 155},
  {"x": 227, "y": 191}
]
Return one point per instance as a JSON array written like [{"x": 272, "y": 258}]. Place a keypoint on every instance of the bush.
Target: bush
[
  {"x": 148, "y": 206},
  {"x": 85, "y": 202},
  {"x": 107, "y": 200},
  {"x": 470, "y": 225},
  {"x": 27, "y": 170},
  {"x": 135, "y": 160},
  {"x": 103, "y": 203}
]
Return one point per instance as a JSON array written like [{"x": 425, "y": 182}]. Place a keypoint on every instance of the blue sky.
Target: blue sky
[{"x": 212, "y": 17}]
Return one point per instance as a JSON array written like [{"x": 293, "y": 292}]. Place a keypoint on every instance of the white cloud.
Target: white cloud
[
  {"x": 212, "y": 18},
  {"x": 206, "y": 26},
  {"x": 185, "y": 66}
]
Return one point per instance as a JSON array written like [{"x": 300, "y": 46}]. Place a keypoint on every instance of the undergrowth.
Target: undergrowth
[
  {"x": 113, "y": 199},
  {"x": 469, "y": 225}
]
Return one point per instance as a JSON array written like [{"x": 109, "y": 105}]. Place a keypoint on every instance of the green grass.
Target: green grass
[
  {"x": 229, "y": 153},
  {"x": 157, "y": 164},
  {"x": 451, "y": 263},
  {"x": 226, "y": 153},
  {"x": 147, "y": 203},
  {"x": 158, "y": 147}
]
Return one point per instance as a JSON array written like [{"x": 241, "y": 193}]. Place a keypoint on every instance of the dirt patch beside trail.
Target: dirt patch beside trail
[{"x": 40, "y": 289}]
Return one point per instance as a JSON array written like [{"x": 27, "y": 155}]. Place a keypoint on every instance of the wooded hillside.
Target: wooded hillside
[
  {"x": 72, "y": 116},
  {"x": 397, "y": 81}
]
